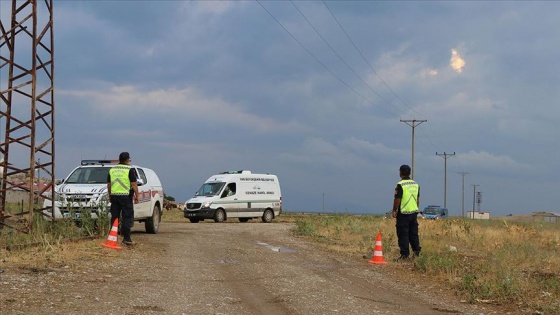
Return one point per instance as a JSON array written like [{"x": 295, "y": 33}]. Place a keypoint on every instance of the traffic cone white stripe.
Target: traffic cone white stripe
[
  {"x": 113, "y": 236},
  {"x": 377, "y": 252}
]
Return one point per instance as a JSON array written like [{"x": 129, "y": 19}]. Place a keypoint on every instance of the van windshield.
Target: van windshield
[
  {"x": 210, "y": 189},
  {"x": 89, "y": 175}
]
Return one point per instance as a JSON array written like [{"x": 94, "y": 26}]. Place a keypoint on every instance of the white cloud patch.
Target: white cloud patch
[
  {"x": 428, "y": 73},
  {"x": 457, "y": 62},
  {"x": 487, "y": 162},
  {"x": 186, "y": 103},
  {"x": 396, "y": 68},
  {"x": 319, "y": 153},
  {"x": 462, "y": 105},
  {"x": 370, "y": 149},
  {"x": 214, "y": 7}
]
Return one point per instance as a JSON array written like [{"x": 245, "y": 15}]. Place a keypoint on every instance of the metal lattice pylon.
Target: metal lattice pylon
[{"x": 26, "y": 112}]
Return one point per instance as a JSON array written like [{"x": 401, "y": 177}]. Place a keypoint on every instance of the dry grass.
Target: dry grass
[
  {"x": 497, "y": 261},
  {"x": 173, "y": 215},
  {"x": 502, "y": 262},
  {"x": 50, "y": 245}
]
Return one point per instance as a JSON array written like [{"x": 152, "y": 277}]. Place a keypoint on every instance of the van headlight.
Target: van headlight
[
  {"x": 59, "y": 197},
  {"x": 206, "y": 205}
]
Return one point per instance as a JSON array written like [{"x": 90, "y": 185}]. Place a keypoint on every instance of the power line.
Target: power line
[
  {"x": 342, "y": 59},
  {"x": 321, "y": 63},
  {"x": 365, "y": 59},
  {"x": 435, "y": 135}
]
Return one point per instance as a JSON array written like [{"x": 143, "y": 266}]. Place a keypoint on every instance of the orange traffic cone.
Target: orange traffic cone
[
  {"x": 111, "y": 241},
  {"x": 377, "y": 252}
]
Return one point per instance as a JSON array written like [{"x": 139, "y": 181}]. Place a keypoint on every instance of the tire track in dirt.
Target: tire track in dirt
[{"x": 227, "y": 268}]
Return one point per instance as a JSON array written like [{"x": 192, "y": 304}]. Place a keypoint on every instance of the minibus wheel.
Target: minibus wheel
[
  {"x": 220, "y": 215},
  {"x": 268, "y": 215}
]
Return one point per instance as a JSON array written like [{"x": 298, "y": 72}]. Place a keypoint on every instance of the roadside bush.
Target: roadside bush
[
  {"x": 305, "y": 228},
  {"x": 488, "y": 261}
]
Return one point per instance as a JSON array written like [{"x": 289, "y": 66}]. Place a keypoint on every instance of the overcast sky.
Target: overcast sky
[{"x": 314, "y": 92}]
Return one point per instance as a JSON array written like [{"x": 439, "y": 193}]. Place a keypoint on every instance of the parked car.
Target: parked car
[
  {"x": 434, "y": 212},
  {"x": 84, "y": 192}
]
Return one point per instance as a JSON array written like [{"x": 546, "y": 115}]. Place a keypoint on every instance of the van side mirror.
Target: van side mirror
[
  {"x": 58, "y": 181},
  {"x": 140, "y": 181}
]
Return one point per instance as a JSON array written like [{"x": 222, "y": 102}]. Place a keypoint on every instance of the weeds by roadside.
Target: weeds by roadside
[
  {"x": 488, "y": 261},
  {"x": 47, "y": 242}
]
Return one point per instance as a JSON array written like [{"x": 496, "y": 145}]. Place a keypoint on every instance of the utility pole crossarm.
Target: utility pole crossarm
[
  {"x": 445, "y": 156},
  {"x": 413, "y": 123}
]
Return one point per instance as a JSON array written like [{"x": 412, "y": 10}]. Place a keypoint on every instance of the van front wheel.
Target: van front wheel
[
  {"x": 268, "y": 215},
  {"x": 219, "y": 216}
]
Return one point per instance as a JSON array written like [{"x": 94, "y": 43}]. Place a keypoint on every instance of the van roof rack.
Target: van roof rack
[{"x": 99, "y": 162}]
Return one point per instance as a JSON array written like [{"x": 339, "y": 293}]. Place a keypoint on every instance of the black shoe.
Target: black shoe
[
  {"x": 401, "y": 259},
  {"x": 128, "y": 242}
]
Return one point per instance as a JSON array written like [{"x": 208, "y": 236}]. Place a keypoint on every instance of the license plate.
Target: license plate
[
  {"x": 190, "y": 214},
  {"x": 67, "y": 215}
]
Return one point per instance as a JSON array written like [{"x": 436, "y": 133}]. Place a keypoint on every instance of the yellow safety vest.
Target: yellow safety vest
[
  {"x": 409, "y": 200},
  {"x": 120, "y": 183}
]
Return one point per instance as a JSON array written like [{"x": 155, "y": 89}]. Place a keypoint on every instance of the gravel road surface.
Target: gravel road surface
[{"x": 227, "y": 268}]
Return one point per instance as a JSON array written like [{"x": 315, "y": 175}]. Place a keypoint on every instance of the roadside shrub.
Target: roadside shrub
[
  {"x": 305, "y": 228},
  {"x": 488, "y": 261}
]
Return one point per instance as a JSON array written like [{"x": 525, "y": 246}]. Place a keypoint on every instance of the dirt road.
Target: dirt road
[{"x": 228, "y": 268}]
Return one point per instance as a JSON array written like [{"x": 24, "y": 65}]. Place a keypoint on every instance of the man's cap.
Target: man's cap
[
  {"x": 124, "y": 156},
  {"x": 404, "y": 168}
]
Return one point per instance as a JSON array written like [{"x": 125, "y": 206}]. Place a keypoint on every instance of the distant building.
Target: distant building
[
  {"x": 20, "y": 195},
  {"x": 479, "y": 215},
  {"x": 546, "y": 216}
]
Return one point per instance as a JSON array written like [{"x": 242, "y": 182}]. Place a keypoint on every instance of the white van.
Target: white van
[
  {"x": 236, "y": 194},
  {"x": 85, "y": 191}
]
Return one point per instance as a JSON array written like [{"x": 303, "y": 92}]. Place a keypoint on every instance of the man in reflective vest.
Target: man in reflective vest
[
  {"x": 122, "y": 187},
  {"x": 405, "y": 210}
]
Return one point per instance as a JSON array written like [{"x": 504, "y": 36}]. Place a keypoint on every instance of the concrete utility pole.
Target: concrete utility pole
[
  {"x": 463, "y": 194},
  {"x": 473, "y": 199},
  {"x": 412, "y": 123},
  {"x": 445, "y": 156}
]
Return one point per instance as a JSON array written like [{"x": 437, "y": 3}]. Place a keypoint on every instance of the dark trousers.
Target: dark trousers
[
  {"x": 407, "y": 233},
  {"x": 122, "y": 206}
]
